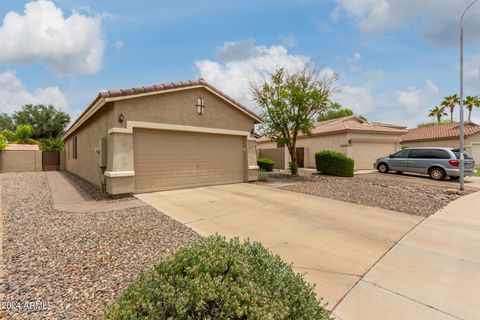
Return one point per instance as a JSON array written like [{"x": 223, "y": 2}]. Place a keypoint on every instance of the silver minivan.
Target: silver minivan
[{"x": 438, "y": 163}]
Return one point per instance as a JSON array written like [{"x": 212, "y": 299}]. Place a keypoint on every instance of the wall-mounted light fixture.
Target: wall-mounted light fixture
[
  {"x": 200, "y": 106},
  {"x": 121, "y": 118}
]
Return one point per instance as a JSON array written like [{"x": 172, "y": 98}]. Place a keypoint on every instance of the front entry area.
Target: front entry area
[{"x": 166, "y": 160}]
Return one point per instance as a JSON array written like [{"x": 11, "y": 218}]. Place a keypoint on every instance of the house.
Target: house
[
  {"x": 162, "y": 137},
  {"x": 357, "y": 138},
  {"x": 445, "y": 135}
]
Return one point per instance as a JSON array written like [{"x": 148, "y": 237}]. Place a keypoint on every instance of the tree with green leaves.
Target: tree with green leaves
[
  {"x": 6, "y": 122},
  {"x": 290, "y": 103},
  {"x": 470, "y": 102},
  {"x": 45, "y": 120},
  {"x": 437, "y": 112},
  {"x": 3, "y": 143},
  {"x": 451, "y": 102},
  {"x": 338, "y": 112}
]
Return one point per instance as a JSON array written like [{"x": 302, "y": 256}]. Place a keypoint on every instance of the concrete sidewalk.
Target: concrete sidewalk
[
  {"x": 432, "y": 273},
  {"x": 68, "y": 196}
]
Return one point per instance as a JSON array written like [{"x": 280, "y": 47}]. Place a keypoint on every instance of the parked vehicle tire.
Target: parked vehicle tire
[
  {"x": 383, "y": 168},
  {"x": 454, "y": 177},
  {"x": 437, "y": 173}
]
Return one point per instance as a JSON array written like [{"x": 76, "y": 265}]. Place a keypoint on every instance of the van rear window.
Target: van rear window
[{"x": 457, "y": 154}]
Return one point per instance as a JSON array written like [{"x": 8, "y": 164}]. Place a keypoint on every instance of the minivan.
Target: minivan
[{"x": 438, "y": 163}]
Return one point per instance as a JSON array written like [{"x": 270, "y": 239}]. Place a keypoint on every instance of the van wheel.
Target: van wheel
[
  {"x": 454, "y": 177},
  {"x": 437, "y": 173},
  {"x": 382, "y": 168}
]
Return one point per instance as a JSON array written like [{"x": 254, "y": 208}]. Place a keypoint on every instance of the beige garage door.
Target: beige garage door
[
  {"x": 365, "y": 153},
  {"x": 167, "y": 160}
]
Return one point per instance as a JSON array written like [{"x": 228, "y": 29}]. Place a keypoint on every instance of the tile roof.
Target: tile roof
[
  {"x": 350, "y": 123},
  {"x": 22, "y": 147},
  {"x": 439, "y": 132},
  {"x": 168, "y": 86}
]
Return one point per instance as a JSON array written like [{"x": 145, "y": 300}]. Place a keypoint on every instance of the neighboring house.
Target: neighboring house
[
  {"x": 168, "y": 136},
  {"x": 445, "y": 135},
  {"x": 21, "y": 158},
  {"x": 359, "y": 139}
]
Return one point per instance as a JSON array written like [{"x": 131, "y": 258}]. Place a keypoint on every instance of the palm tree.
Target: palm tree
[
  {"x": 470, "y": 102},
  {"x": 451, "y": 102},
  {"x": 437, "y": 112}
]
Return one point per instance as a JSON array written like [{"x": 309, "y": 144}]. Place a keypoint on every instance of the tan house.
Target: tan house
[
  {"x": 445, "y": 135},
  {"x": 168, "y": 136},
  {"x": 359, "y": 139}
]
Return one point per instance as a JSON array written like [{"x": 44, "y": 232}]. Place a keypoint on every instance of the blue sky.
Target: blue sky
[{"x": 395, "y": 59}]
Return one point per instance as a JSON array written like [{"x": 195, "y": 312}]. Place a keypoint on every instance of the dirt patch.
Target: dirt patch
[
  {"x": 74, "y": 263},
  {"x": 408, "y": 194}
]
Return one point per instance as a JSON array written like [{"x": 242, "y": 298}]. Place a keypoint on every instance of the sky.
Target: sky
[{"x": 395, "y": 59}]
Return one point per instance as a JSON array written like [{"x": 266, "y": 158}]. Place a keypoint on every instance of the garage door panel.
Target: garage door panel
[
  {"x": 167, "y": 160},
  {"x": 365, "y": 153}
]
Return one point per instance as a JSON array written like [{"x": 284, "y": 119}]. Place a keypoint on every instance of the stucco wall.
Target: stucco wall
[
  {"x": 364, "y": 148},
  {"x": 178, "y": 108},
  {"x": 20, "y": 161},
  {"x": 88, "y": 135},
  {"x": 279, "y": 155}
]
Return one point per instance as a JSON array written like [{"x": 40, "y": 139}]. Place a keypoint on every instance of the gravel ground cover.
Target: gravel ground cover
[
  {"x": 74, "y": 263},
  {"x": 408, "y": 194}
]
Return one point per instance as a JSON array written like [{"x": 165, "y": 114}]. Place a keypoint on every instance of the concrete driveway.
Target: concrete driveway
[{"x": 333, "y": 242}]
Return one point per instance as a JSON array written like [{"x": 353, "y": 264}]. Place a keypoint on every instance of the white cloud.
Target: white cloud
[
  {"x": 439, "y": 20},
  {"x": 335, "y": 14},
  {"x": 357, "y": 56},
  {"x": 71, "y": 45},
  {"x": 119, "y": 44},
  {"x": 472, "y": 72},
  {"x": 417, "y": 101},
  {"x": 289, "y": 40},
  {"x": 359, "y": 99},
  {"x": 13, "y": 94},
  {"x": 242, "y": 62}
]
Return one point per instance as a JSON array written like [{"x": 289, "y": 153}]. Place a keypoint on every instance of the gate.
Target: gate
[{"x": 51, "y": 160}]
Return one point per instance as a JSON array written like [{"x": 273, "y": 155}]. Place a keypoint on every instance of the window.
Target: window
[
  {"x": 74, "y": 147},
  {"x": 401, "y": 154},
  {"x": 417, "y": 154},
  {"x": 456, "y": 152}
]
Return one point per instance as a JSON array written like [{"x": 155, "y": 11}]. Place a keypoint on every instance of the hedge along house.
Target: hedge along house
[
  {"x": 357, "y": 138},
  {"x": 162, "y": 137}
]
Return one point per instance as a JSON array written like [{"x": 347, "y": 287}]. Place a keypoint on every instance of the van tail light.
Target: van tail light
[{"x": 454, "y": 163}]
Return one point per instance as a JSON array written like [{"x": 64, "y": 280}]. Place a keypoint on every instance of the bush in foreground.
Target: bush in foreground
[
  {"x": 265, "y": 164},
  {"x": 219, "y": 279},
  {"x": 334, "y": 163}
]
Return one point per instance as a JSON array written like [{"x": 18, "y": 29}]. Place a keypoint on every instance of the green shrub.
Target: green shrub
[
  {"x": 219, "y": 279},
  {"x": 52, "y": 144},
  {"x": 262, "y": 175},
  {"x": 3, "y": 144},
  {"x": 23, "y": 132},
  {"x": 293, "y": 168},
  {"x": 265, "y": 164},
  {"x": 334, "y": 163}
]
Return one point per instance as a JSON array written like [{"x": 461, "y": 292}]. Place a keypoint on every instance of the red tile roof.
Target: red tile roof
[
  {"x": 350, "y": 123},
  {"x": 22, "y": 147},
  {"x": 440, "y": 132}
]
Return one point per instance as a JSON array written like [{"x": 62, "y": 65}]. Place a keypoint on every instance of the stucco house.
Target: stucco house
[
  {"x": 161, "y": 137},
  {"x": 445, "y": 135},
  {"x": 361, "y": 140}
]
